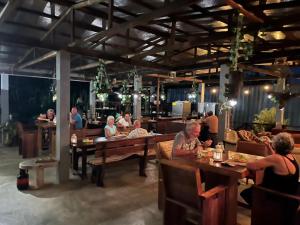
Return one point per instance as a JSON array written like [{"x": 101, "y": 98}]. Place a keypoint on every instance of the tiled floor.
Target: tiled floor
[{"x": 127, "y": 198}]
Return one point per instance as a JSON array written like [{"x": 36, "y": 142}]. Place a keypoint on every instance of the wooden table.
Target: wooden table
[
  {"x": 85, "y": 146},
  {"x": 45, "y": 125},
  {"x": 218, "y": 174}
]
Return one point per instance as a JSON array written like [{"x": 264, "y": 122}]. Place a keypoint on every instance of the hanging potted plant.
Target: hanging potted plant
[{"x": 101, "y": 83}]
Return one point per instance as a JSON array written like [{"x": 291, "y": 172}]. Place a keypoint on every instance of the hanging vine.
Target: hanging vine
[{"x": 241, "y": 44}]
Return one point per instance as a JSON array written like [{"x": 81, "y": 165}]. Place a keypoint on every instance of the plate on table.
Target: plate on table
[{"x": 239, "y": 158}]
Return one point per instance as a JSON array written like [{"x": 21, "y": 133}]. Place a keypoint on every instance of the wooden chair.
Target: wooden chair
[
  {"x": 186, "y": 202},
  {"x": 163, "y": 151},
  {"x": 275, "y": 208},
  {"x": 252, "y": 148},
  {"x": 27, "y": 139}
]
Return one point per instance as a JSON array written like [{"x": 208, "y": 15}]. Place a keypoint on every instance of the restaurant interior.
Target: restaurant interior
[{"x": 147, "y": 112}]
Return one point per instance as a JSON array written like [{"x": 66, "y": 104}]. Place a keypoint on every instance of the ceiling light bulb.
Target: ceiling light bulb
[
  {"x": 232, "y": 102},
  {"x": 246, "y": 92}
]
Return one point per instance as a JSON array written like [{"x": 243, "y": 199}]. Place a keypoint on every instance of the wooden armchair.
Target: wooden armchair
[
  {"x": 27, "y": 139},
  {"x": 275, "y": 208},
  {"x": 253, "y": 148},
  {"x": 186, "y": 202}
]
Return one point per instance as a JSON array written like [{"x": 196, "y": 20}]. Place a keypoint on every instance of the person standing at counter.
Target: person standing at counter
[
  {"x": 75, "y": 118},
  {"x": 212, "y": 122}
]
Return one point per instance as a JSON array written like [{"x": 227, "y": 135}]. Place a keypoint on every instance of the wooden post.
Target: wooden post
[
  {"x": 157, "y": 96},
  {"x": 62, "y": 114},
  {"x": 4, "y": 98},
  {"x": 225, "y": 116},
  {"x": 137, "y": 108},
  {"x": 280, "y": 87}
]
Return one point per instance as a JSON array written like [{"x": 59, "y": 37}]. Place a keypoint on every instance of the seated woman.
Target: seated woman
[
  {"x": 281, "y": 168},
  {"x": 110, "y": 129}
]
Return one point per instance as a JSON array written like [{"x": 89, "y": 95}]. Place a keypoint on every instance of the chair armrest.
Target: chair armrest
[
  {"x": 229, "y": 142},
  {"x": 277, "y": 193},
  {"x": 212, "y": 192}
]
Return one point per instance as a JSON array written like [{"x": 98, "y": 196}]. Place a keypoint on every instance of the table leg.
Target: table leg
[
  {"x": 84, "y": 161},
  {"x": 74, "y": 158},
  {"x": 39, "y": 177},
  {"x": 212, "y": 180},
  {"x": 143, "y": 162}
]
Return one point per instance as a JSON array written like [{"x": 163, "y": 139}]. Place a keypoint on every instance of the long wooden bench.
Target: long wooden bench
[{"x": 114, "y": 151}]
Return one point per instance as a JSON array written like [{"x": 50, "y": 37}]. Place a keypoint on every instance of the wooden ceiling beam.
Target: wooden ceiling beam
[
  {"x": 144, "y": 4},
  {"x": 141, "y": 20},
  {"x": 205, "y": 11},
  {"x": 128, "y": 13},
  {"x": 30, "y": 42},
  {"x": 100, "y": 14},
  {"x": 189, "y": 16},
  {"x": 8, "y": 9}
]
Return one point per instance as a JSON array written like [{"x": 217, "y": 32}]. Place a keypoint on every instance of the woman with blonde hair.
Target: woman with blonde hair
[{"x": 110, "y": 128}]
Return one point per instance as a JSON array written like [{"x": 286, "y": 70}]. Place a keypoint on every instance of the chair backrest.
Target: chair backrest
[
  {"x": 120, "y": 147},
  {"x": 164, "y": 150},
  {"x": 92, "y": 132},
  {"x": 252, "y": 148},
  {"x": 182, "y": 182},
  {"x": 231, "y": 136},
  {"x": 276, "y": 208},
  {"x": 296, "y": 137}
]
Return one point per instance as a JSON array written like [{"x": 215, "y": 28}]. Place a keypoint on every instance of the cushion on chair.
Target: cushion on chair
[
  {"x": 231, "y": 136},
  {"x": 165, "y": 149}
]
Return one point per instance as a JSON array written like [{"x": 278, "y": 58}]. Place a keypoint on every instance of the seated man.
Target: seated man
[
  {"x": 75, "y": 118},
  {"x": 186, "y": 142},
  {"x": 50, "y": 116},
  {"x": 138, "y": 131},
  {"x": 125, "y": 121}
]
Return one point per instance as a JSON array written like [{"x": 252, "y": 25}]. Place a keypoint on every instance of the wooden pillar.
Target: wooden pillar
[
  {"x": 62, "y": 114},
  {"x": 202, "y": 97},
  {"x": 280, "y": 87},
  {"x": 110, "y": 13},
  {"x": 157, "y": 96},
  {"x": 4, "y": 98},
  {"x": 225, "y": 116},
  {"x": 137, "y": 101},
  {"x": 92, "y": 100}
]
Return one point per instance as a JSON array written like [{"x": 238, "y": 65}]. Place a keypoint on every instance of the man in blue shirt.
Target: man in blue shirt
[{"x": 75, "y": 118}]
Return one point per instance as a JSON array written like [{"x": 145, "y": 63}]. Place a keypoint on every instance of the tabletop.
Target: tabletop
[{"x": 239, "y": 161}]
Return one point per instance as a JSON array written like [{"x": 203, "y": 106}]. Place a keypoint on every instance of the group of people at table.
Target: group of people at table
[{"x": 281, "y": 170}]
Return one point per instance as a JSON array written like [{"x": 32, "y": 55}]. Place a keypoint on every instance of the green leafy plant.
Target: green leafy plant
[
  {"x": 101, "y": 83},
  {"x": 265, "y": 120}
]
